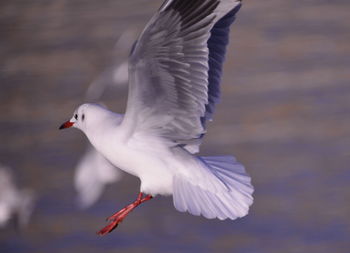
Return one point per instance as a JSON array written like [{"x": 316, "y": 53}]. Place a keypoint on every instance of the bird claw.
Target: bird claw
[
  {"x": 109, "y": 228},
  {"x": 115, "y": 220},
  {"x": 110, "y": 218},
  {"x": 119, "y": 216}
]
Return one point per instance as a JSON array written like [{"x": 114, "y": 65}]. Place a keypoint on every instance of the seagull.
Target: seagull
[
  {"x": 175, "y": 69},
  {"x": 14, "y": 203},
  {"x": 92, "y": 174},
  {"x": 116, "y": 75}
]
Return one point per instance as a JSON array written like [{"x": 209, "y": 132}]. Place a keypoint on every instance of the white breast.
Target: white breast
[{"x": 142, "y": 156}]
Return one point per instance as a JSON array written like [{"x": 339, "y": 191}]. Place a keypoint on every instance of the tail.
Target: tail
[{"x": 231, "y": 200}]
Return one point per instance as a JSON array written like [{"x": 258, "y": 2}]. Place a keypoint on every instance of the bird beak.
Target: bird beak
[{"x": 66, "y": 125}]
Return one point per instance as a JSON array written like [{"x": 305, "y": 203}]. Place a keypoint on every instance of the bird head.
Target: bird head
[{"x": 78, "y": 119}]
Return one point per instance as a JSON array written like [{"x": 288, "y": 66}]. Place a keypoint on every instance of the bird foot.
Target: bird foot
[
  {"x": 119, "y": 216},
  {"x": 113, "y": 223},
  {"x": 109, "y": 228}
]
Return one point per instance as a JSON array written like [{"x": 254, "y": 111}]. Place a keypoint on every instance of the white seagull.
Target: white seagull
[
  {"x": 175, "y": 68},
  {"x": 14, "y": 202},
  {"x": 116, "y": 75},
  {"x": 92, "y": 174}
]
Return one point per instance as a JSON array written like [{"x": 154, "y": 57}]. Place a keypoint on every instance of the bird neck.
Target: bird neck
[{"x": 104, "y": 130}]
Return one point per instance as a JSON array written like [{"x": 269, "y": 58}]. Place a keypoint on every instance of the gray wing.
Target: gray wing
[{"x": 170, "y": 73}]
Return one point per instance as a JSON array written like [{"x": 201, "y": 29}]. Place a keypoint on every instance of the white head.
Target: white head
[{"x": 85, "y": 116}]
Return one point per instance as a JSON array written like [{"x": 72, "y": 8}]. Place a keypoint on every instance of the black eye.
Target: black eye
[
  {"x": 83, "y": 117},
  {"x": 76, "y": 116}
]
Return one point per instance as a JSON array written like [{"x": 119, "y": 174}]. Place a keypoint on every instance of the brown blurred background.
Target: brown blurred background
[{"x": 285, "y": 114}]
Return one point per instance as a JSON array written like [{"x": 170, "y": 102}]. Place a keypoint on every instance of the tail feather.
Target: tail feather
[
  {"x": 231, "y": 173},
  {"x": 231, "y": 201}
]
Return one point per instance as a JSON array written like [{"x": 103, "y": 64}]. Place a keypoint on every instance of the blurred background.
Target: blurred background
[{"x": 285, "y": 114}]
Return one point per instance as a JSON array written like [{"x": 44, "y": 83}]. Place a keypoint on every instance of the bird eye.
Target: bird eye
[
  {"x": 83, "y": 117},
  {"x": 76, "y": 116}
]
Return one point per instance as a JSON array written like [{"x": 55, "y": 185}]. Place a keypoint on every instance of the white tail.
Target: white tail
[{"x": 231, "y": 201}]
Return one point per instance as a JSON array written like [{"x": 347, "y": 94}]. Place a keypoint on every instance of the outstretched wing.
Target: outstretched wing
[{"x": 175, "y": 69}]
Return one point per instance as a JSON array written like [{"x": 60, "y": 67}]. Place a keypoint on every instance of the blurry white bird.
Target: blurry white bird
[
  {"x": 92, "y": 173},
  {"x": 117, "y": 74},
  {"x": 175, "y": 69},
  {"x": 14, "y": 202}
]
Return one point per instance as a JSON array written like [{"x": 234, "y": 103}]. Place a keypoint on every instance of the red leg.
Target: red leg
[{"x": 118, "y": 217}]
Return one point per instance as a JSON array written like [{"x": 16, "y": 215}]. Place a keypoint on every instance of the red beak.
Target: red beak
[{"x": 66, "y": 125}]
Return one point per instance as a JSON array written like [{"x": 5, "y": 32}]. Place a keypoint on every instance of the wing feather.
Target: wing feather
[{"x": 171, "y": 79}]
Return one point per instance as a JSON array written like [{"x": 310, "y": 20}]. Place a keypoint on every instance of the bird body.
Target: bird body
[
  {"x": 174, "y": 77},
  {"x": 158, "y": 164},
  {"x": 128, "y": 154}
]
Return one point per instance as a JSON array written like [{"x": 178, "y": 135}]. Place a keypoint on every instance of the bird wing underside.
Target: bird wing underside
[{"x": 172, "y": 90}]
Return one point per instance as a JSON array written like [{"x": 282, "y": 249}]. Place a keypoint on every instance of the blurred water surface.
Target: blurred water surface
[{"x": 284, "y": 114}]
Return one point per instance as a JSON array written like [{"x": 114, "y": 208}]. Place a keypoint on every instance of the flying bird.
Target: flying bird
[
  {"x": 116, "y": 75},
  {"x": 15, "y": 204},
  {"x": 175, "y": 70},
  {"x": 93, "y": 173}
]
